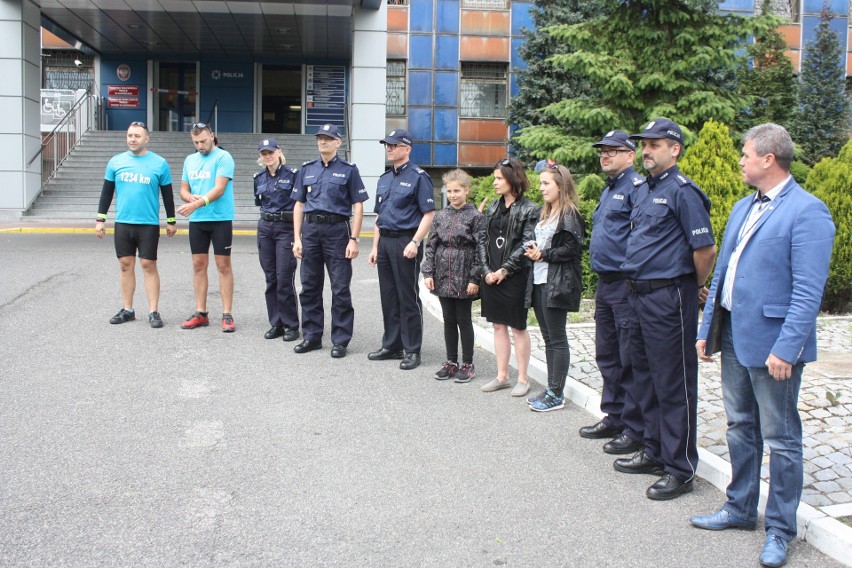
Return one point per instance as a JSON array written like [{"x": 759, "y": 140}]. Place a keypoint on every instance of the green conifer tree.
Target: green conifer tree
[
  {"x": 821, "y": 121},
  {"x": 831, "y": 181},
  {"x": 712, "y": 162},
  {"x": 642, "y": 59},
  {"x": 543, "y": 83},
  {"x": 767, "y": 75}
]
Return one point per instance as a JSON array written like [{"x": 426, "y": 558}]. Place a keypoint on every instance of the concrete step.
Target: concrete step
[{"x": 74, "y": 191}]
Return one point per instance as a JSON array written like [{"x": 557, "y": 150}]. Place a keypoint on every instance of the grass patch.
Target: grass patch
[{"x": 845, "y": 520}]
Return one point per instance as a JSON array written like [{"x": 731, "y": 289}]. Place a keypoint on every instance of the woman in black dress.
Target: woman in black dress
[{"x": 509, "y": 222}]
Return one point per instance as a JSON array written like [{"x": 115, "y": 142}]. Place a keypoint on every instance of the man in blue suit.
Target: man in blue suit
[{"x": 765, "y": 297}]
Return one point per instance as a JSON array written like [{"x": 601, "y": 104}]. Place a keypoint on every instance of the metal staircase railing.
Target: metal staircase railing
[{"x": 86, "y": 114}]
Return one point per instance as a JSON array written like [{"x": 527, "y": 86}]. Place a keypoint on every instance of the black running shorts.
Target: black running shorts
[
  {"x": 202, "y": 233},
  {"x": 130, "y": 238}
]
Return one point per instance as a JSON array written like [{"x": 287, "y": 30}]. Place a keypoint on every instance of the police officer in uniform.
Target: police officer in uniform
[
  {"x": 327, "y": 192},
  {"x": 406, "y": 207},
  {"x": 273, "y": 192},
  {"x": 670, "y": 253},
  {"x": 611, "y": 226}
]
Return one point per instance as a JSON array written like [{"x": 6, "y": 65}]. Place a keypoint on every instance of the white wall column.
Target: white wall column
[
  {"x": 367, "y": 96},
  {"x": 20, "y": 96}
]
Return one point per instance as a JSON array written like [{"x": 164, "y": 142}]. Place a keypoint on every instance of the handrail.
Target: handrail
[
  {"x": 79, "y": 120},
  {"x": 214, "y": 114}
]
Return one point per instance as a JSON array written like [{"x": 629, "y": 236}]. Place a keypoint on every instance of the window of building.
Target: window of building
[
  {"x": 484, "y": 88},
  {"x": 397, "y": 2},
  {"x": 787, "y": 9},
  {"x": 486, "y": 4},
  {"x": 395, "y": 90}
]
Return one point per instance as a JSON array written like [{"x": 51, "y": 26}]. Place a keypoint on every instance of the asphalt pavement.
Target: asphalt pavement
[{"x": 122, "y": 445}]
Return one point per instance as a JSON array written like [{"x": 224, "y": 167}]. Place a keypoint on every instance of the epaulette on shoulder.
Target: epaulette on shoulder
[
  {"x": 308, "y": 162},
  {"x": 344, "y": 162},
  {"x": 290, "y": 168},
  {"x": 683, "y": 180},
  {"x": 258, "y": 173},
  {"x": 420, "y": 170},
  {"x": 637, "y": 180}
]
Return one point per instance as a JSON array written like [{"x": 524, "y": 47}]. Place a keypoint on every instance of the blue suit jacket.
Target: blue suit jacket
[{"x": 780, "y": 278}]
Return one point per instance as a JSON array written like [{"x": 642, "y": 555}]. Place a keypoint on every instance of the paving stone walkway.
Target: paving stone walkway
[{"x": 827, "y": 425}]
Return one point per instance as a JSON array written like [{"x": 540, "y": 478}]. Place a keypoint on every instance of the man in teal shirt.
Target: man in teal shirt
[
  {"x": 137, "y": 178},
  {"x": 207, "y": 187}
]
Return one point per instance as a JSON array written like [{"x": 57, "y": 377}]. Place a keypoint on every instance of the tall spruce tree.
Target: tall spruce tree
[
  {"x": 642, "y": 59},
  {"x": 543, "y": 83},
  {"x": 821, "y": 121},
  {"x": 767, "y": 75}
]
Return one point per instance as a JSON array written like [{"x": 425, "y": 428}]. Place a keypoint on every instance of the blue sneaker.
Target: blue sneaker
[
  {"x": 537, "y": 398},
  {"x": 548, "y": 403},
  {"x": 774, "y": 553}
]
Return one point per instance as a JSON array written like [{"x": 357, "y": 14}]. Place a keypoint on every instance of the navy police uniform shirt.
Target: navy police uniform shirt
[
  {"x": 670, "y": 219},
  {"x": 402, "y": 197},
  {"x": 611, "y": 222},
  {"x": 274, "y": 192},
  {"x": 330, "y": 189}
]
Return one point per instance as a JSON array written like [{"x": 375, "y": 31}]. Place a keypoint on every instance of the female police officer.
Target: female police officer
[{"x": 273, "y": 188}]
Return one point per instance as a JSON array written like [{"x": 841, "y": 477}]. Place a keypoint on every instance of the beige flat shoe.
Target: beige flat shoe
[
  {"x": 495, "y": 385},
  {"x": 521, "y": 389}
]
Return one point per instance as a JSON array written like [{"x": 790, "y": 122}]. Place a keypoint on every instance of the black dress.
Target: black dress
[{"x": 504, "y": 303}]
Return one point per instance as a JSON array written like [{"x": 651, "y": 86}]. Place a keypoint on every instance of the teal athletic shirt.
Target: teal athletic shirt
[
  {"x": 200, "y": 172},
  {"x": 137, "y": 186}
]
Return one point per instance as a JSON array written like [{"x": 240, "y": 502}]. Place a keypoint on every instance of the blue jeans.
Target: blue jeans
[{"x": 760, "y": 408}]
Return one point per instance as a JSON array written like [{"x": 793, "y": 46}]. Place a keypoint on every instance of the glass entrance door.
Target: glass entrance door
[
  {"x": 282, "y": 99},
  {"x": 176, "y": 96}
]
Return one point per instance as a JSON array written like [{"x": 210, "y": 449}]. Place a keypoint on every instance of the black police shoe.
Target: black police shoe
[
  {"x": 338, "y": 351},
  {"x": 410, "y": 361},
  {"x": 290, "y": 334},
  {"x": 274, "y": 332},
  {"x": 384, "y": 355},
  {"x": 623, "y": 444},
  {"x": 639, "y": 463},
  {"x": 600, "y": 430},
  {"x": 668, "y": 487},
  {"x": 307, "y": 345}
]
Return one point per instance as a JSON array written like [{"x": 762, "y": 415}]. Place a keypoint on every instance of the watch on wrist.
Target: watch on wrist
[
  {"x": 504, "y": 272},
  {"x": 416, "y": 242},
  {"x": 351, "y": 238}
]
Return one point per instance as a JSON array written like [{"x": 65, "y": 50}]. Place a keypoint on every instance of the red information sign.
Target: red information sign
[
  {"x": 123, "y": 102},
  {"x": 123, "y": 90}
]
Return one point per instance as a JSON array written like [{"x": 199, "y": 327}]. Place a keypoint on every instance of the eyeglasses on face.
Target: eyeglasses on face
[{"x": 610, "y": 153}]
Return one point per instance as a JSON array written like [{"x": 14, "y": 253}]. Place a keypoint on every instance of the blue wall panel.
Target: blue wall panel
[
  {"x": 447, "y": 89},
  {"x": 420, "y": 16},
  {"x": 420, "y": 88},
  {"x": 446, "y": 155},
  {"x": 447, "y": 52},
  {"x": 514, "y": 89},
  {"x": 839, "y": 7},
  {"x": 517, "y": 62},
  {"x": 420, "y": 51},
  {"x": 448, "y": 16},
  {"x": 738, "y": 5},
  {"x": 809, "y": 26},
  {"x": 446, "y": 124},
  {"x": 232, "y": 84},
  {"x": 521, "y": 17},
  {"x": 420, "y": 123},
  {"x": 120, "y": 118},
  {"x": 421, "y": 154}
]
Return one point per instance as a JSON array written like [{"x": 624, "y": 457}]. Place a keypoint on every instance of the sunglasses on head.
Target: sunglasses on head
[
  {"x": 137, "y": 123},
  {"x": 200, "y": 125}
]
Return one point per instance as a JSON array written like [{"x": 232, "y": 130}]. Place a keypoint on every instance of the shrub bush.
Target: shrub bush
[
  {"x": 800, "y": 171},
  {"x": 831, "y": 181}
]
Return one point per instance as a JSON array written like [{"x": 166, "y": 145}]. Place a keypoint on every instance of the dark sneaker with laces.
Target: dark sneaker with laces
[
  {"x": 537, "y": 398},
  {"x": 228, "y": 325},
  {"x": 154, "y": 320},
  {"x": 123, "y": 316},
  {"x": 447, "y": 371},
  {"x": 465, "y": 374},
  {"x": 197, "y": 319},
  {"x": 548, "y": 403}
]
